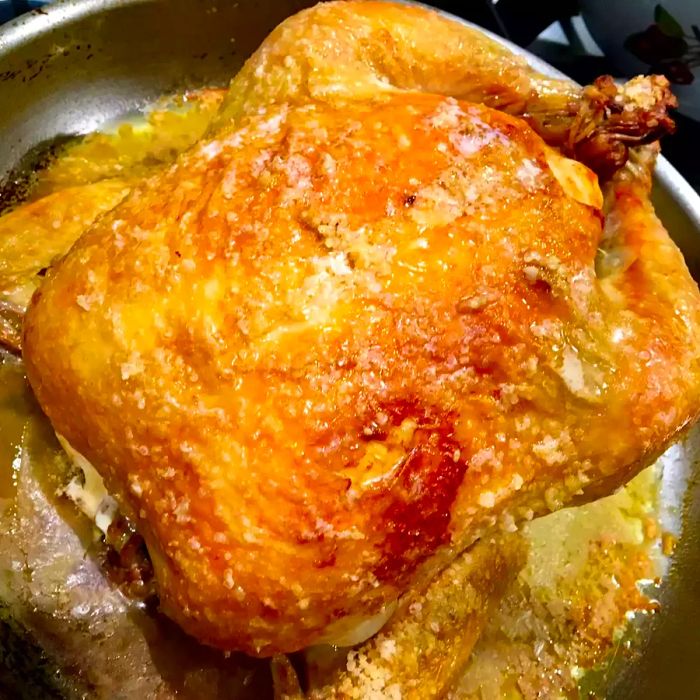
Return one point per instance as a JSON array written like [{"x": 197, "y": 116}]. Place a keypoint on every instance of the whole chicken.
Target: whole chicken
[{"x": 381, "y": 310}]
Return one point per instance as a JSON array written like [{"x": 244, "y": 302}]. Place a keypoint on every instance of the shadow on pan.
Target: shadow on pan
[{"x": 69, "y": 68}]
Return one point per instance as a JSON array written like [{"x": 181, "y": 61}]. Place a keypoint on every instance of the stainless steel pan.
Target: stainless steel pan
[{"x": 68, "y": 68}]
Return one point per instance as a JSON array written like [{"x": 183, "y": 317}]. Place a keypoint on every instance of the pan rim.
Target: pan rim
[{"x": 43, "y": 20}]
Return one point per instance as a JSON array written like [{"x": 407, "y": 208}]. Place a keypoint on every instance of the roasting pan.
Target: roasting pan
[{"x": 76, "y": 64}]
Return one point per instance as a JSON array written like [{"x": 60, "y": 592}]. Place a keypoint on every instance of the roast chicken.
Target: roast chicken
[{"x": 405, "y": 293}]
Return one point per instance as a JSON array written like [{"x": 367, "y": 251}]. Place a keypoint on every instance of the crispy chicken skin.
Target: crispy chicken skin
[{"x": 341, "y": 339}]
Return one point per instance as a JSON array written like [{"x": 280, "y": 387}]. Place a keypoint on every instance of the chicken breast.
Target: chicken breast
[{"x": 340, "y": 340}]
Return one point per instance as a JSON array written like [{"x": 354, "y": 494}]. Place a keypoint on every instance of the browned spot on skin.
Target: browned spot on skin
[
  {"x": 418, "y": 515},
  {"x": 326, "y": 561},
  {"x": 269, "y": 612},
  {"x": 415, "y": 507},
  {"x": 542, "y": 287}
]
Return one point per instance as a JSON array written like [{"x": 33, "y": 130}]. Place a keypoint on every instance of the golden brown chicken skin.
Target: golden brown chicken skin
[{"x": 335, "y": 344}]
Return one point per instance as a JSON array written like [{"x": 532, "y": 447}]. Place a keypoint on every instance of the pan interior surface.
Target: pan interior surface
[{"x": 78, "y": 65}]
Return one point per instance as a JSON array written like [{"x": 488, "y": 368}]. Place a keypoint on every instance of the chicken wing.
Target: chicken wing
[
  {"x": 34, "y": 235},
  {"x": 339, "y": 340}
]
